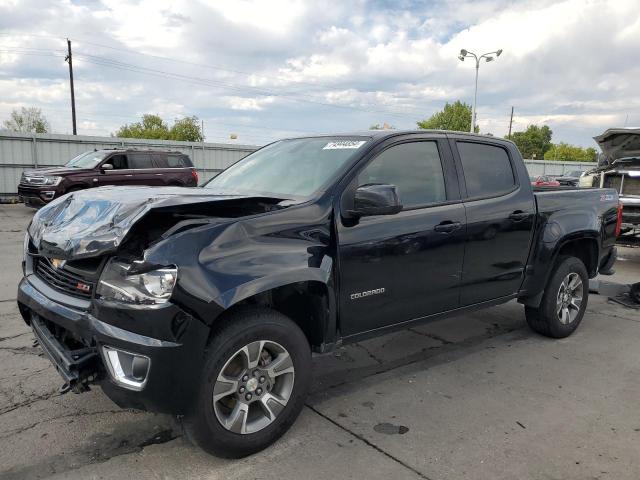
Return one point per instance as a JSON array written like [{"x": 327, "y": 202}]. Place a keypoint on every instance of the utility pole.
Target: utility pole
[
  {"x": 69, "y": 60},
  {"x": 510, "y": 123}
]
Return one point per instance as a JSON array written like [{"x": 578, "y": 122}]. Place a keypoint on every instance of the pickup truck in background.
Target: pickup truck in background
[
  {"x": 619, "y": 168},
  {"x": 207, "y": 302}
]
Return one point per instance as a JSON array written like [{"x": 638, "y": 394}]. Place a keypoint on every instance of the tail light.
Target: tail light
[
  {"x": 619, "y": 219},
  {"x": 194, "y": 174}
]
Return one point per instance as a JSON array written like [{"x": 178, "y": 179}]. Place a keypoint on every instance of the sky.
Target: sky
[{"x": 264, "y": 70}]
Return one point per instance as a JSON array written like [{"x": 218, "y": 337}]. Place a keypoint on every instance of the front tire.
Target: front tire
[
  {"x": 564, "y": 301},
  {"x": 254, "y": 384}
]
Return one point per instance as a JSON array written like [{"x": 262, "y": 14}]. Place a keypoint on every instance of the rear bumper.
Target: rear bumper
[{"x": 74, "y": 341}]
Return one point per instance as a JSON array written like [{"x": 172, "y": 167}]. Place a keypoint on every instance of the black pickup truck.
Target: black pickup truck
[{"x": 207, "y": 302}]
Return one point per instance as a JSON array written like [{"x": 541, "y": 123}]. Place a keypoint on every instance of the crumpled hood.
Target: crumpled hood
[
  {"x": 619, "y": 143},
  {"x": 95, "y": 221}
]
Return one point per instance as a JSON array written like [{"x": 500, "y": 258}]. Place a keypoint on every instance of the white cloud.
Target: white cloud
[{"x": 568, "y": 63}]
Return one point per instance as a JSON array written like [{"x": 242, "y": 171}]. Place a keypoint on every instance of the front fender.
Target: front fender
[{"x": 321, "y": 274}]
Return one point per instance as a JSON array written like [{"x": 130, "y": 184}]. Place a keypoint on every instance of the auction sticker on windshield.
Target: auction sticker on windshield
[{"x": 344, "y": 144}]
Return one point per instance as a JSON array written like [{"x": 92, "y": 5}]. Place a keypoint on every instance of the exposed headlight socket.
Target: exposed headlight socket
[{"x": 129, "y": 370}]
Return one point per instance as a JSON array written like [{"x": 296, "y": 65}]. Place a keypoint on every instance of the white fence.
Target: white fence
[
  {"x": 25, "y": 151},
  {"x": 551, "y": 167}
]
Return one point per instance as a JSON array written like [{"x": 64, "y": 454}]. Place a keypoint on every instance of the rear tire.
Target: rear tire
[
  {"x": 258, "y": 366},
  {"x": 564, "y": 301}
]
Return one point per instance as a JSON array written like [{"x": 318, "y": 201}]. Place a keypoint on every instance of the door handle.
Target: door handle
[
  {"x": 447, "y": 226},
  {"x": 518, "y": 215}
]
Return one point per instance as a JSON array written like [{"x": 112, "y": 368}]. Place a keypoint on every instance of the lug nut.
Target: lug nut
[
  {"x": 261, "y": 379},
  {"x": 241, "y": 390},
  {"x": 245, "y": 378},
  {"x": 248, "y": 396},
  {"x": 259, "y": 391}
]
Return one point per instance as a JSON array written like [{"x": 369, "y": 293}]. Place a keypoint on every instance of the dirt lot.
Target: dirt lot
[{"x": 478, "y": 396}]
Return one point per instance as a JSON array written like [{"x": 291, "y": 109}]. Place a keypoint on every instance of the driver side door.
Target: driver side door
[{"x": 396, "y": 268}]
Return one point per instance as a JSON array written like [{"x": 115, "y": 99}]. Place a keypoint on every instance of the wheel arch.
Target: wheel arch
[
  {"x": 307, "y": 298},
  {"x": 583, "y": 245}
]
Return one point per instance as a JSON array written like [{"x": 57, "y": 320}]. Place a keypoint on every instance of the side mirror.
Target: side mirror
[
  {"x": 106, "y": 166},
  {"x": 375, "y": 199}
]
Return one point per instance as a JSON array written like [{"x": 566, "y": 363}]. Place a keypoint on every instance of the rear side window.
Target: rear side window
[
  {"x": 487, "y": 169},
  {"x": 139, "y": 160},
  {"x": 176, "y": 161},
  {"x": 414, "y": 168}
]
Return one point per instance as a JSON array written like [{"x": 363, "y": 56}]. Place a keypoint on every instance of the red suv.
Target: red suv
[{"x": 107, "y": 167}]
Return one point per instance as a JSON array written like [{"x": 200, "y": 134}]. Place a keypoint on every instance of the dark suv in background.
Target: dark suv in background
[{"x": 107, "y": 167}]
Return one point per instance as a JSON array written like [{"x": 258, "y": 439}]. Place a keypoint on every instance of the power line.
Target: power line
[{"x": 207, "y": 82}]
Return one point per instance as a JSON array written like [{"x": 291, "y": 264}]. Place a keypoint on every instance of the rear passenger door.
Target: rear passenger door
[{"x": 500, "y": 215}]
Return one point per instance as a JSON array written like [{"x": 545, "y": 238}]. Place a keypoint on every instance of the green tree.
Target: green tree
[
  {"x": 27, "y": 120},
  {"x": 572, "y": 153},
  {"x": 534, "y": 142},
  {"x": 153, "y": 127},
  {"x": 454, "y": 116},
  {"x": 187, "y": 129}
]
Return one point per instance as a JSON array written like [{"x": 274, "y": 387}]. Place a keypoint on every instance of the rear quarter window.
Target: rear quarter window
[
  {"x": 177, "y": 161},
  {"x": 487, "y": 169}
]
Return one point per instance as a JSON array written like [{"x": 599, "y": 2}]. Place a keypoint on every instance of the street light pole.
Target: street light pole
[
  {"x": 488, "y": 58},
  {"x": 475, "y": 99}
]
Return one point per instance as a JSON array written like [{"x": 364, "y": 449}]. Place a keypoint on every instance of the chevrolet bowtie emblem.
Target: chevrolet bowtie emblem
[{"x": 57, "y": 263}]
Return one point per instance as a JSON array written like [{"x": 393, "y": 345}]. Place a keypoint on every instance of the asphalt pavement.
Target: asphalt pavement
[{"x": 478, "y": 396}]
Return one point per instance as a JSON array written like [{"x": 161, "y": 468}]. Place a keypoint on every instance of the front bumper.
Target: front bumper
[
  {"x": 73, "y": 339},
  {"x": 33, "y": 196}
]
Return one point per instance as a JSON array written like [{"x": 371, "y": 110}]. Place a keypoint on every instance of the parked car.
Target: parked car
[
  {"x": 208, "y": 302},
  {"x": 107, "y": 167},
  {"x": 569, "y": 179},
  {"x": 544, "y": 181},
  {"x": 619, "y": 168}
]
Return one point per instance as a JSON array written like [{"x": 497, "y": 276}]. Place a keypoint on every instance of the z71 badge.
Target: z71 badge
[{"x": 367, "y": 293}]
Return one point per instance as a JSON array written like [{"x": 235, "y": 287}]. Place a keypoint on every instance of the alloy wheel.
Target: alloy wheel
[{"x": 253, "y": 387}]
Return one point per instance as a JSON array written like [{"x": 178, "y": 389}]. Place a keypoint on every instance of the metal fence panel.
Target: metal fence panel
[
  {"x": 552, "y": 167},
  {"x": 19, "y": 152}
]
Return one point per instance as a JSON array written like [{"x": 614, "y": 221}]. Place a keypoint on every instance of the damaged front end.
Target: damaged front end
[{"x": 105, "y": 308}]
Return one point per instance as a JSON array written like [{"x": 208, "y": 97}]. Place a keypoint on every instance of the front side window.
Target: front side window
[
  {"x": 487, "y": 169},
  {"x": 119, "y": 162},
  {"x": 289, "y": 169},
  {"x": 414, "y": 168}
]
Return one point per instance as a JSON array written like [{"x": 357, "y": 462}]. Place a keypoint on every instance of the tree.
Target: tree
[
  {"x": 153, "y": 127},
  {"x": 28, "y": 120},
  {"x": 188, "y": 130},
  {"x": 454, "y": 116},
  {"x": 534, "y": 142},
  {"x": 572, "y": 153}
]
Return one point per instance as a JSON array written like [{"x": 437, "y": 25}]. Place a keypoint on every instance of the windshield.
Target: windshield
[
  {"x": 574, "y": 173},
  {"x": 288, "y": 168},
  {"x": 87, "y": 159}
]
